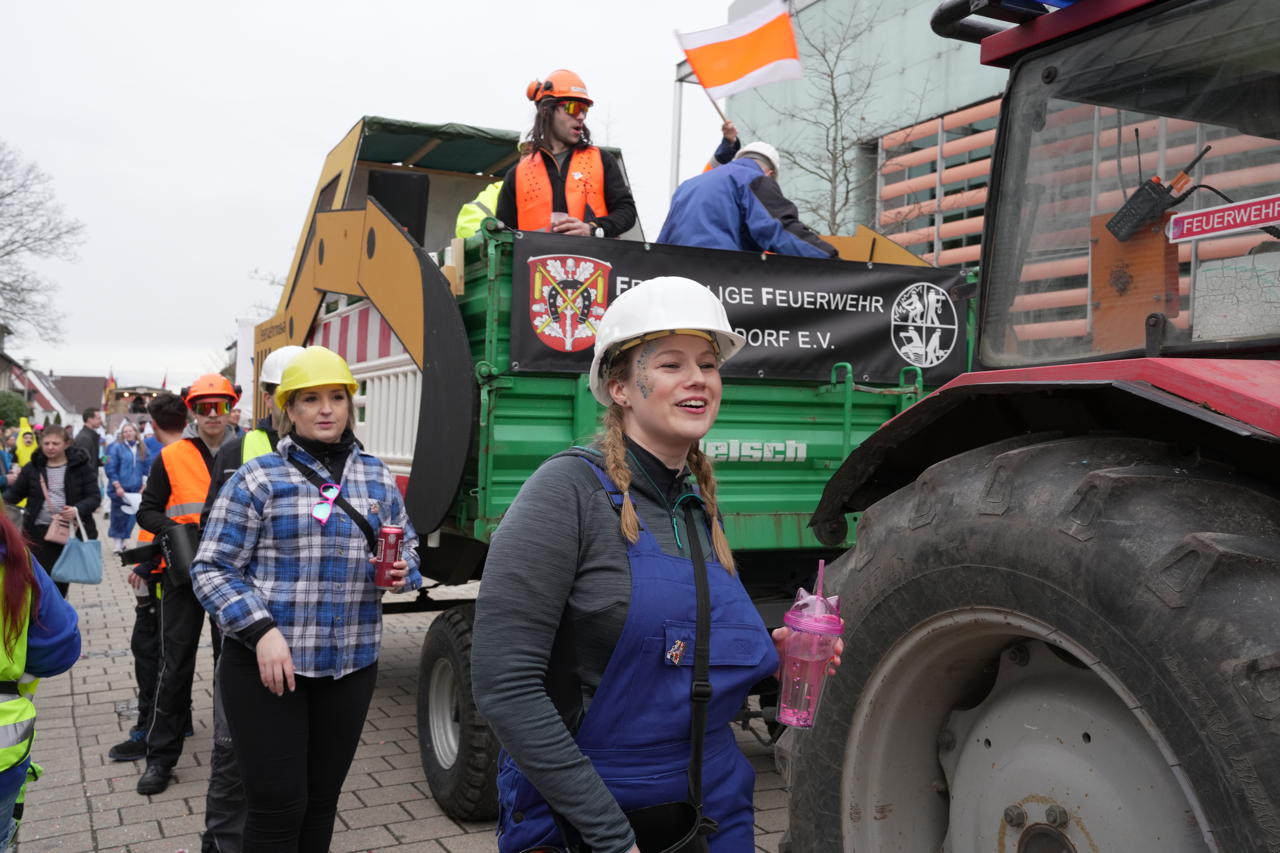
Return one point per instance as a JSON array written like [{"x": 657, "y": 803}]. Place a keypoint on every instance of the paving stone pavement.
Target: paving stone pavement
[{"x": 86, "y": 803}]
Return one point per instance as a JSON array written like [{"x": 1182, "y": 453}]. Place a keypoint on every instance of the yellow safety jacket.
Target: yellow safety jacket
[
  {"x": 17, "y": 710},
  {"x": 256, "y": 443},
  {"x": 474, "y": 212}
]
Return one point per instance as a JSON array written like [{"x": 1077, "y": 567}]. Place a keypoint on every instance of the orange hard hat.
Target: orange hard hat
[
  {"x": 560, "y": 83},
  {"x": 210, "y": 385}
]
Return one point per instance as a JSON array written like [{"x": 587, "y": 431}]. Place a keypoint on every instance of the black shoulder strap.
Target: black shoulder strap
[
  {"x": 358, "y": 518},
  {"x": 700, "y": 694}
]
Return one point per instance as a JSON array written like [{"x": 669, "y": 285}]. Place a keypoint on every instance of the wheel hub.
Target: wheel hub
[
  {"x": 1044, "y": 839},
  {"x": 1052, "y": 761},
  {"x": 906, "y": 726},
  {"x": 443, "y": 713}
]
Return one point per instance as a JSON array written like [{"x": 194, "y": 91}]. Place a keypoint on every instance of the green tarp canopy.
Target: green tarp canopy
[{"x": 444, "y": 147}]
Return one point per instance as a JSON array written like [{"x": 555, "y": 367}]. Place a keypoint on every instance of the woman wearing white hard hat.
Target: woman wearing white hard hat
[
  {"x": 585, "y": 640},
  {"x": 285, "y": 567},
  {"x": 265, "y": 435}
]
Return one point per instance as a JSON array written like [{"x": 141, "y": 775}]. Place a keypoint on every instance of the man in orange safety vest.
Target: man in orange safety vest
[
  {"x": 174, "y": 496},
  {"x": 563, "y": 183}
]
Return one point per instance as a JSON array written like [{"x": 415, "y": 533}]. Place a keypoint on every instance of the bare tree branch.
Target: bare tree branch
[
  {"x": 32, "y": 226},
  {"x": 263, "y": 308},
  {"x": 824, "y": 137}
]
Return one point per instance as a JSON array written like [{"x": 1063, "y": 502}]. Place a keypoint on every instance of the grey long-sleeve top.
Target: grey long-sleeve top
[{"x": 559, "y": 553}]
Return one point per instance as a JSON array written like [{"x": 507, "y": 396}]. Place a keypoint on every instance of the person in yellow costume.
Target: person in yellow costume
[
  {"x": 27, "y": 443},
  {"x": 25, "y": 446}
]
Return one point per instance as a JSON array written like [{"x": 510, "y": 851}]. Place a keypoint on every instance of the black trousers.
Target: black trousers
[
  {"x": 294, "y": 750},
  {"x": 181, "y": 620},
  {"x": 47, "y": 553},
  {"x": 145, "y": 645},
  {"x": 224, "y": 808}
]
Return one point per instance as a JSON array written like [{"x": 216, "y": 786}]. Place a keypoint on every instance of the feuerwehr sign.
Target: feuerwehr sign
[{"x": 799, "y": 315}]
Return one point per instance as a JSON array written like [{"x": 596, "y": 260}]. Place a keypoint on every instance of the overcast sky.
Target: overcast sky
[{"x": 189, "y": 140}]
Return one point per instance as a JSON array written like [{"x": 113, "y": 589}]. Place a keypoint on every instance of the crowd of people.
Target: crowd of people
[
  {"x": 229, "y": 522},
  {"x": 268, "y": 532}
]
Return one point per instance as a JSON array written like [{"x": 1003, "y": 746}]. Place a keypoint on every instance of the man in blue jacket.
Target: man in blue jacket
[{"x": 740, "y": 206}]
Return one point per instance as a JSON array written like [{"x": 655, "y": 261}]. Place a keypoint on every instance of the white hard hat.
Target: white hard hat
[
  {"x": 762, "y": 149},
  {"x": 668, "y": 303},
  {"x": 273, "y": 365}
]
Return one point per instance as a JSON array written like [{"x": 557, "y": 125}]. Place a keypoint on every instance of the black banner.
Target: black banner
[{"x": 799, "y": 315}]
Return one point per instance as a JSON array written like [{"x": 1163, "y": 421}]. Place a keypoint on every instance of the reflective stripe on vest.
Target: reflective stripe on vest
[
  {"x": 583, "y": 188},
  {"x": 17, "y": 712},
  {"x": 188, "y": 481},
  {"x": 256, "y": 443},
  {"x": 18, "y": 732}
]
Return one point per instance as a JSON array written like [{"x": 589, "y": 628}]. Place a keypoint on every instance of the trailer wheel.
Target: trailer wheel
[
  {"x": 1054, "y": 644},
  {"x": 459, "y": 752}
]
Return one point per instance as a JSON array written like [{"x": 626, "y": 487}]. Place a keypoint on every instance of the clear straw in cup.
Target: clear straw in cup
[{"x": 815, "y": 625}]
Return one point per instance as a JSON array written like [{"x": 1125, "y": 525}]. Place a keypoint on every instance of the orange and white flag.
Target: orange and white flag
[{"x": 755, "y": 49}]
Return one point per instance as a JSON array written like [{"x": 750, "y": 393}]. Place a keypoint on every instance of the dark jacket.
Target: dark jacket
[
  {"x": 81, "y": 488},
  {"x": 726, "y": 150},
  {"x": 90, "y": 442},
  {"x": 738, "y": 207},
  {"x": 227, "y": 461},
  {"x": 617, "y": 196}
]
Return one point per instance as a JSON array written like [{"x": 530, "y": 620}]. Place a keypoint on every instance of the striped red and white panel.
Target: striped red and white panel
[{"x": 359, "y": 334}]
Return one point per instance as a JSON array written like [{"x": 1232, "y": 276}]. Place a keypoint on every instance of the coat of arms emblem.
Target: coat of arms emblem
[{"x": 567, "y": 298}]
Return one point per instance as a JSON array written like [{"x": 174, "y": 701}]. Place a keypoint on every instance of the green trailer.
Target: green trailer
[{"x": 465, "y": 387}]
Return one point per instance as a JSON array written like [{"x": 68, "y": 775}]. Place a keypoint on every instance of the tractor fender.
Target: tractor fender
[{"x": 1230, "y": 408}]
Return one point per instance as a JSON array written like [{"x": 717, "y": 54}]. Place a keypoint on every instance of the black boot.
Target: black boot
[
  {"x": 130, "y": 750},
  {"x": 155, "y": 779}
]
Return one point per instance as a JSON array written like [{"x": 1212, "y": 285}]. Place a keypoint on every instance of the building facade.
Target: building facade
[{"x": 892, "y": 110}]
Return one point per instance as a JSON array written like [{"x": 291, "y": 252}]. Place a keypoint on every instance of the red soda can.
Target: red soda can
[{"x": 389, "y": 540}]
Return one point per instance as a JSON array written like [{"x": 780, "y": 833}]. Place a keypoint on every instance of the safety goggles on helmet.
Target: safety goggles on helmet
[
  {"x": 211, "y": 407},
  {"x": 574, "y": 108},
  {"x": 328, "y": 494}
]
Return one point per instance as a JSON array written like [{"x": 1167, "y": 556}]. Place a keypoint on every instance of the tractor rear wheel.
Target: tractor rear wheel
[
  {"x": 459, "y": 751},
  {"x": 1054, "y": 644}
]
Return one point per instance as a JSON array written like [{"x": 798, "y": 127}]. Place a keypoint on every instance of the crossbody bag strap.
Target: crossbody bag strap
[
  {"x": 700, "y": 693},
  {"x": 363, "y": 523}
]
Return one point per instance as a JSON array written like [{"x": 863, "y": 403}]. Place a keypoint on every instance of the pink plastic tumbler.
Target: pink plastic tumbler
[{"x": 815, "y": 625}]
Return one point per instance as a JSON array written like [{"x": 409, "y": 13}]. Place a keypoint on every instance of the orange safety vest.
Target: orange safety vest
[
  {"x": 189, "y": 480},
  {"x": 583, "y": 188}
]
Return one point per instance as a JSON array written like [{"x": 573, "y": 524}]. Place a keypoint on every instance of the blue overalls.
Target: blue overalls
[{"x": 636, "y": 730}]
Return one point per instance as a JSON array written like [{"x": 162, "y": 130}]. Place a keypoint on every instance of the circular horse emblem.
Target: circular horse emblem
[{"x": 923, "y": 325}]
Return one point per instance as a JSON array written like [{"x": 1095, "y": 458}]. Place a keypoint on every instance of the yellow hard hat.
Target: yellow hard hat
[{"x": 311, "y": 368}]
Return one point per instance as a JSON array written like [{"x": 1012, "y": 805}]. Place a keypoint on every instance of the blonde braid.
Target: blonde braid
[
  {"x": 700, "y": 465},
  {"x": 615, "y": 465}
]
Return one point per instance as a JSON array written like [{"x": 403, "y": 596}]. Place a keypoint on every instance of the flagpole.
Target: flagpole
[
  {"x": 723, "y": 117},
  {"x": 675, "y": 133}
]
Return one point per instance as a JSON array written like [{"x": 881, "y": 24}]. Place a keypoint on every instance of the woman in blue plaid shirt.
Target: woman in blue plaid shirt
[{"x": 288, "y": 575}]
